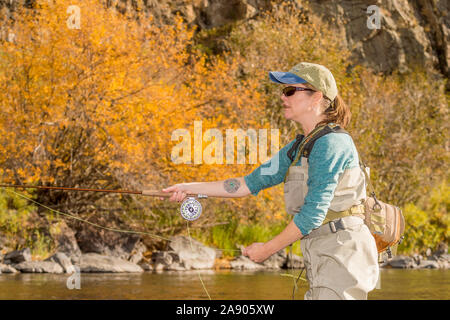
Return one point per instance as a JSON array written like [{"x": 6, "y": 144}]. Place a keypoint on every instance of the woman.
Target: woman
[{"x": 324, "y": 191}]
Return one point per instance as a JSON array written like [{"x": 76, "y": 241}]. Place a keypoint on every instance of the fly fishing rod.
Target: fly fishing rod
[{"x": 190, "y": 208}]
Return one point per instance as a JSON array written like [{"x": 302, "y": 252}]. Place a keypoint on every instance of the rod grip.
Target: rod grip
[{"x": 156, "y": 193}]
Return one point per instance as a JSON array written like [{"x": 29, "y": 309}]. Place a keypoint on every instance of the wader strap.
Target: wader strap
[
  {"x": 335, "y": 226},
  {"x": 298, "y": 141},
  {"x": 308, "y": 138}
]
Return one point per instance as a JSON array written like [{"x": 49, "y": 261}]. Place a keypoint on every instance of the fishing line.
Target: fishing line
[
  {"x": 295, "y": 288},
  {"x": 121, "y": 230},
  {"x": 100, "y": 226},
  {"x": 89, "y": 222},
  {"x": 198, "y": 272},
  {"x": 291, "y": 275}
]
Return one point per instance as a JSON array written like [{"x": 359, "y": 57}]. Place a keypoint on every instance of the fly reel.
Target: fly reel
[{"x": 191, "y": 208}]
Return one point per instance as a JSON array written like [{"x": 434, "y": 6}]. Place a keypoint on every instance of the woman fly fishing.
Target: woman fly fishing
[{"x": 324, "y": 189}]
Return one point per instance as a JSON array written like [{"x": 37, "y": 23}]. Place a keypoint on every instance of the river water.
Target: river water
[{"x": 395, "y": 284}]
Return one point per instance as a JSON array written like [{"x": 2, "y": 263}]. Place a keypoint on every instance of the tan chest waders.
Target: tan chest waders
[
  {"x": 339, "y": 265},
  {"x": 343, "y": 204}
]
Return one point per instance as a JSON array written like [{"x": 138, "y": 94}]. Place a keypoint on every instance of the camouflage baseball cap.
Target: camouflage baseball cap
[{"x": 315, "y": 74}]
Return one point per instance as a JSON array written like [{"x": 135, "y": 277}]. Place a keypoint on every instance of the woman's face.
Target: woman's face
[{"x": 302, "y": 104}]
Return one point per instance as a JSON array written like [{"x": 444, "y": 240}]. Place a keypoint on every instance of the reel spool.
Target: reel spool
[{"x": 191, "y": 209}]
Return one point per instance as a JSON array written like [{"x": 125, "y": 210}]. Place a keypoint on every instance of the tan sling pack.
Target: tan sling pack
[{"x": 385, "y": 221}]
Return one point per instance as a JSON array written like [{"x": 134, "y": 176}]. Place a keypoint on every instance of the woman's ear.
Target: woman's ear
[
  {"x": 317, "y": 96},
  {"x": 317, "y": 99}
]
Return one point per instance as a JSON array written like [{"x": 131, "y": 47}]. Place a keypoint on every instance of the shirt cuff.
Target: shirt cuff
[
  {"x": 253, "y": 189},
  {"x": 299, "y": 223}
]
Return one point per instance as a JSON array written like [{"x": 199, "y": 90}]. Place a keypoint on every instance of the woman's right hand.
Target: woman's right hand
[{"x": 179, "y": 190}]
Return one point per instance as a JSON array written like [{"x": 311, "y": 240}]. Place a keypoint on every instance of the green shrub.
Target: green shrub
[
  {"x": 23, "y": 227},
  {"x": 427, "y": 223}
]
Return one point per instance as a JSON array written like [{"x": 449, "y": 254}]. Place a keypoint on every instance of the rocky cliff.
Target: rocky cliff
[{"x": 410, "y": 32}]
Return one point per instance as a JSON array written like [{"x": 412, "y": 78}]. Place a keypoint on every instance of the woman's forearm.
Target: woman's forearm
[
  {"x": 260, "y": 251},
  {"x": 289, "y": 235},
  {"x": 229, "y": 188}
]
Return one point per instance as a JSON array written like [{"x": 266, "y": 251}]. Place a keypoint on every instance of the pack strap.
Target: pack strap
[
  {"x": 377, "y": 205},
  {"x": 352, "y": 211}
]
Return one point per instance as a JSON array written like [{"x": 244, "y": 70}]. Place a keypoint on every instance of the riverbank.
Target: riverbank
[{"x": 182, "y": 254}]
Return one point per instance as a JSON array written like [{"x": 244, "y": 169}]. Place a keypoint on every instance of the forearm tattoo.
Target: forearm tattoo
[{"x": 231, "y": 185}]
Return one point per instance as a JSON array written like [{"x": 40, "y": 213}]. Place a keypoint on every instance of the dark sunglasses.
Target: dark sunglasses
[{"x": 289, "y": 91}]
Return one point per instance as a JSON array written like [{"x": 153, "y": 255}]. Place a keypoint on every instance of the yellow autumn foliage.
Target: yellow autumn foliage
[
  {"x": 97, "y": 106},
  {"x": 100, "y": 107}
]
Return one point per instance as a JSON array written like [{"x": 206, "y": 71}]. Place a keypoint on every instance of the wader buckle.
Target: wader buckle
[{"x": 337, "y": 225}]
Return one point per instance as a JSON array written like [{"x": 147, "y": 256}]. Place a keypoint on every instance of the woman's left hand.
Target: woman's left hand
[{"x": 257, "y": 252}]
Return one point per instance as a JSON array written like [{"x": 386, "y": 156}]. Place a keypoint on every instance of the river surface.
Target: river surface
[{"x": 396, "y": 284}]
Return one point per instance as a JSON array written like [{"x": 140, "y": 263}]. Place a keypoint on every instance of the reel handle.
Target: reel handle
[{"x": 191, "y": 209}]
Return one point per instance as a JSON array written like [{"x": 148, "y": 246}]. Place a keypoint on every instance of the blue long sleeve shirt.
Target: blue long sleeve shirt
[{"x": 331, "y": 155}]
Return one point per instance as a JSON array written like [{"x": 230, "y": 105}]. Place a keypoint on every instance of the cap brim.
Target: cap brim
[{"x": 285, "y": 77}]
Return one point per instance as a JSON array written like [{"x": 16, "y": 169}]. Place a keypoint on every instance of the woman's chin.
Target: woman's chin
[{"x": 287, "y": 114}]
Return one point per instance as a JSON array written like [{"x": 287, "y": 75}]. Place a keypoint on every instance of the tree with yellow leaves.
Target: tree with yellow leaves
[{"x": 96, "y": 105}]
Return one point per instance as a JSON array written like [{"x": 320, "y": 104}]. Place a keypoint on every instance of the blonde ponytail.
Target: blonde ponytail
[{"x": 336, "y": 111}]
